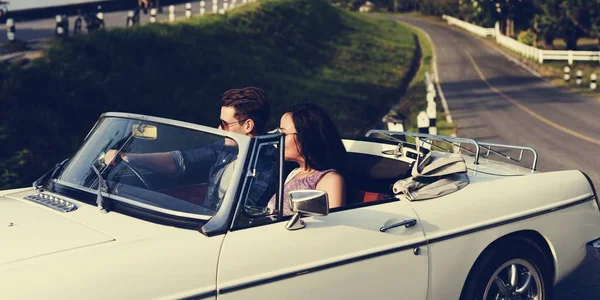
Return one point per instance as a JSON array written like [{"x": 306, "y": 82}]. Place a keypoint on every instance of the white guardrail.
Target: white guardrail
[
  {"x": 484, "y": 32},
  {"x": 539, "y": 55}
]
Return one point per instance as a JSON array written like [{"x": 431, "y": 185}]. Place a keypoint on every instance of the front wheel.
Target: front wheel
[{"x": 513, "y": 270}]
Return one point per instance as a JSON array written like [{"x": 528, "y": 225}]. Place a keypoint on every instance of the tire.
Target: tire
[{"x": 517, "y": 256}]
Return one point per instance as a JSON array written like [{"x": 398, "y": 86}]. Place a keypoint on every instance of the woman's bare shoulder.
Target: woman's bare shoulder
[{"x": 331, "y": 178}]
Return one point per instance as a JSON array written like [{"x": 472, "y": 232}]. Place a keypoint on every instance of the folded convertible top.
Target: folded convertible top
[{"x": 436, "y": 175}]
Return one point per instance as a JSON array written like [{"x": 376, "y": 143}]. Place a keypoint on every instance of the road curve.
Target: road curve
[{"x": 492, "y": 99}]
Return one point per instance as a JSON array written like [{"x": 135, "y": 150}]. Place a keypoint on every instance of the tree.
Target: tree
[
  {"x": 567, "y": 19},
  {"x": 546, "y": 19}
]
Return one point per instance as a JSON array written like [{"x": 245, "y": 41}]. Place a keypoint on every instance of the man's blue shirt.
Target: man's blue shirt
[{"x": 218, "y": 156}]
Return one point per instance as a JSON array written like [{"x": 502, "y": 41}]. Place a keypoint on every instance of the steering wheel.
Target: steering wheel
[
  {"x": 138, "y": 175},
  {"x": 135, "y": 172}
]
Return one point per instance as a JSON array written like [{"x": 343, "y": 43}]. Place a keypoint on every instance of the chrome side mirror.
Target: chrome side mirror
[{"x": 308, "y": 203}]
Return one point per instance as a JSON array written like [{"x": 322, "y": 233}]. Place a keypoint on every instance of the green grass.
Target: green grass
[
  {"x": 583, "y": 44},
  {"x": 15, "y": 46},
  {"x": 297, "y": 50}
]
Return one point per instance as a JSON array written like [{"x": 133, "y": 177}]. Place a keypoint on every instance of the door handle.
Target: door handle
[{"x": 405, "y": 223}]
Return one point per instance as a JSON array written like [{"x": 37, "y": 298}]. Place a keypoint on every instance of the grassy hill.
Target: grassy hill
[{"x": 297, "y": 50}]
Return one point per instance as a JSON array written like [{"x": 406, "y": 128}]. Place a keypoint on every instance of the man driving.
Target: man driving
[{"x": 244, "y": 111}]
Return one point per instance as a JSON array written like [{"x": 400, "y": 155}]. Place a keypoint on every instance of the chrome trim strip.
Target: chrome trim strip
[
  {"x": 517, "y": 219},
  {"x": 203, "y": 295},
  {"x": 592, "y": 187},
  {"x": 300, "y": 272},
  {"x": 135, "y": 203}
]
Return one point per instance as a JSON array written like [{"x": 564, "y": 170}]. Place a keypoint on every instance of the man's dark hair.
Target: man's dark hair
[
  {"x": 249, "y": 103},
  {"x": 319, "y": 140}
]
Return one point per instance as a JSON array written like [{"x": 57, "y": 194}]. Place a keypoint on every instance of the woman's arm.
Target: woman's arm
[{"x": 333, "y": 184}]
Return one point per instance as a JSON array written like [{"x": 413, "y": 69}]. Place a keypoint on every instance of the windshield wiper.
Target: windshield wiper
[
  {"x": 102, "y": 187},
  {"x": 53, "y": 173}
]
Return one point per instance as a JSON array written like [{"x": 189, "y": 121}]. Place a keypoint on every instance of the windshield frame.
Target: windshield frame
[{"x": 243, "y": 142}]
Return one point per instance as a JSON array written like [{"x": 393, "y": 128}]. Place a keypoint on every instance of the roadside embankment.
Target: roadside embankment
[{"x": 297, "y": 50}]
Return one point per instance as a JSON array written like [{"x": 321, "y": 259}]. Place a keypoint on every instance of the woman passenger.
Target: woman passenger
[{"x": 313, "y": 141}]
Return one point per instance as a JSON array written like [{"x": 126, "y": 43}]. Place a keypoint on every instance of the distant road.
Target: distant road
[
  {"x": 493, "y": 100},
  {"x": 44, "y": 28}
]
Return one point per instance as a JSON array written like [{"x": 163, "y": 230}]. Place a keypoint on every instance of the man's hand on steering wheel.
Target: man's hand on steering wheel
[{"x": 114, "y": 157}]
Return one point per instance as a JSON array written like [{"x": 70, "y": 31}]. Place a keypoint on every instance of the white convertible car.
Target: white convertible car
[{"x": 418, "y": 223}]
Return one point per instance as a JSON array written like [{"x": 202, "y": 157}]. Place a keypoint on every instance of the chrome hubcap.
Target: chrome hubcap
[{"x": 516, "y": 279}]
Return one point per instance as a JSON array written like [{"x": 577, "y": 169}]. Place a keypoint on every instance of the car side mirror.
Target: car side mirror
[{"x": 308, "y": 203}]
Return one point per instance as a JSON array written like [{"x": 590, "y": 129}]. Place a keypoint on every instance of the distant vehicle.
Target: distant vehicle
[
  {"x": 93, "y": 22},
  {"x": 418, "y": 223},
  {"x": 37, "y": 4},
  {"x": 3, "y": 10}
]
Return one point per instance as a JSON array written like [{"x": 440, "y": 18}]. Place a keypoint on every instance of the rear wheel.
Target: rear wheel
[{"x": 513, "y": 270}]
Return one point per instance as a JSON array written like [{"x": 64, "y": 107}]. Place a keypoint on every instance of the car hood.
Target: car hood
[{"x": 29, "y": 230}]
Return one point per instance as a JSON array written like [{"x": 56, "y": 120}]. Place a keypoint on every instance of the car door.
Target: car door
[{"x": 343, "y": 255}]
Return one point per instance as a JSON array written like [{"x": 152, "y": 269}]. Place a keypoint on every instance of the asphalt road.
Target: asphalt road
[
  {"x": 492, "y": 99},
  {"x": 44, "y": 28}
]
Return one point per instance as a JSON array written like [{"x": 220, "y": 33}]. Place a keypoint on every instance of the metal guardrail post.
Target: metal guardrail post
[
  {"x": 62, "y": 26},
  {"x": 579, "y": 80},
  {"x": 567, "y": 75},
  {"x": 423, "y": 122},
  {"x": 153, "y": 15},
  {"x": 570, "y": 59},
  {"x": 11, "y": 31},
  {"x": 202, "y": 8},
  {"x": 129, "y": 20},
  {"x": 188, "y": 10},
  {"x": 171, "y": 13}
]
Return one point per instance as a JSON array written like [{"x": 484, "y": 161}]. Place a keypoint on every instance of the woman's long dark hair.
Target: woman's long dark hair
[{"x": 319, "y": 140}]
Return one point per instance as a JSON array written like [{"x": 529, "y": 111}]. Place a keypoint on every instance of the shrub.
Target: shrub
[{"x": 527, "y": 37}]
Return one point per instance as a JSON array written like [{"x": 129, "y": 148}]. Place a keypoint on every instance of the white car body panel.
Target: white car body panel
[
  {"x": 29, "y": 239},
  {"x": 271, "y": 252},
  {"x": 142, "y": 261},
  {"x": 489, "y": 205},
  {"x": 448, "y": 276}
]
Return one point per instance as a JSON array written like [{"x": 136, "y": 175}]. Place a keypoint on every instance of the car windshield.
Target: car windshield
[{"x": 155, "y": 165}]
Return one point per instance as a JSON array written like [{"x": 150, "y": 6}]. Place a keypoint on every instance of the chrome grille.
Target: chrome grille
[{"x": 52, "y": 202}]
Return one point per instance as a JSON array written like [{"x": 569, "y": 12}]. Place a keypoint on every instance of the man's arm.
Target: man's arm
[
  {"x": 173, "y": 162},
  {"x": 163, "y": 162}
]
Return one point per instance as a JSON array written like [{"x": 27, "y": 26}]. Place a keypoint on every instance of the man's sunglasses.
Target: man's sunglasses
[{"x": 225, "y": 125}]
